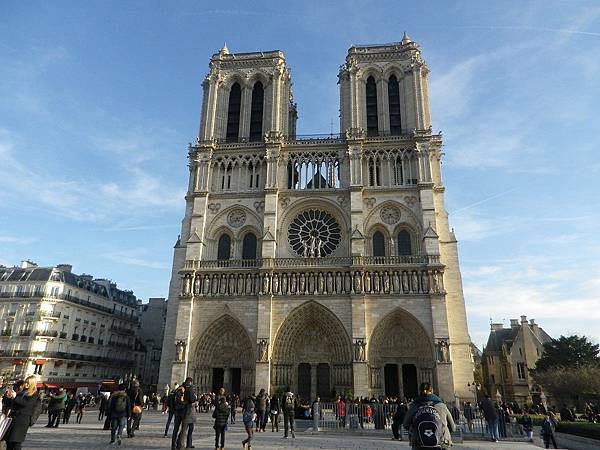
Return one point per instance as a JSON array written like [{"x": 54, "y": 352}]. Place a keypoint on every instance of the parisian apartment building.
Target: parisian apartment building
[
  {"x": 69, "y": 330},
  {"x": 507, "y": 358},
  {"x": 150, "y": 335}
]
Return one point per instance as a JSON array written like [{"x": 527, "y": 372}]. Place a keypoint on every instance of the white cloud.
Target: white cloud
[{"x": 135, "y": 257}]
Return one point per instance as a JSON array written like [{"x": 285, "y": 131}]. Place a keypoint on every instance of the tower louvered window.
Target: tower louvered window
[
  {"x": 256, "y": 112},
  {"x": 249, "y": 246},
  {"x": 394, "y": 105},
  {"x": 371, "y": 101},
  {"x": 224, "y": 250},
  {"x": 233, "y": 113},
  {"x": 404, "y": 243}
]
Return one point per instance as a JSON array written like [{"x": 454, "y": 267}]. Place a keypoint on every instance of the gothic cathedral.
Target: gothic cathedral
[{"x": 322, "y": 263}]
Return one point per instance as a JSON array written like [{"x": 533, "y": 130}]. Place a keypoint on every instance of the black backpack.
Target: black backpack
[{"x": 428, "y": 427}]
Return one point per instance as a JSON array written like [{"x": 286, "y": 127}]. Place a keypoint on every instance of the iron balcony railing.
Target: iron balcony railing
[{"x": 66, "y": 356}]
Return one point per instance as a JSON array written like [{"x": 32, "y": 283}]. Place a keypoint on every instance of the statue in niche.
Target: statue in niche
[
  {"x": 443, "y": 351},
  {"x": 415, "y": 282},
  {"x": 320, "y": 283},
  {"x": 180, "y": 350},
  {"x": 275, "y": 284},
  {"x": 186, "y": 285},
  {"x": 357, "y": 282},
  {"x": 293, "y": 283},
  {"x": 386, "y": 282},
  {"x": 302, "y": 283},
  {"x": 263, "y": 350},
  {"x": 360, "y": 350}
]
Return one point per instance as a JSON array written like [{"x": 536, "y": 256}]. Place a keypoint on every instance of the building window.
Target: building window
[
  {"x": 394, "y": 105},
  {"x": 224, "y": 250},
  {"x": 249, "y": 246},
  {"x": 226, "y": 177},
  {"x": 404, "y": 243},
  {"x": 371, "y": 102},
  {"x": 374, "y": 172},
  {"x": 378, "y": 244},
  {"x": 256, "y": 112},
  {"x": 521, "y": 371},
  {"x": 233, "y": 113}
]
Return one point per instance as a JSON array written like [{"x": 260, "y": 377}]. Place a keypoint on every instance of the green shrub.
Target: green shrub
[{"x": 583, "y": 429}]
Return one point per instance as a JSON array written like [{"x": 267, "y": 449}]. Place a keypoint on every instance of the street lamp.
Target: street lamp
[{"x": 476, "y": 386}]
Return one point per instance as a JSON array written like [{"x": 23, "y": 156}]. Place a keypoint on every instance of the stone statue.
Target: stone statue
[
  {"x": 414, "y": 282},
  {"x": 338, "y": 282},
  {"x": 186, "y": 285},
  {"x": 293, "y": 283},
  {"x": 275, "y": 284},
  {"x": 360, "y": 350},
  {"x": 386, "y": 282},
  {"x": 263, "y": 350},
  {"x": 180, "y": 350},
  {"x": 357, "y": 282},
  {"x": 320, "y": 283},
  {"x": 367, "y": 282},
  {"x": 443, "y": 351},
  {"x": 302, "y": 287}
]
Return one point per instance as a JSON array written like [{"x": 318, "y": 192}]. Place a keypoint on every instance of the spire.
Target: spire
[
  {"x": 405, "y": 39},
  {"x": 224, "y": 50}
]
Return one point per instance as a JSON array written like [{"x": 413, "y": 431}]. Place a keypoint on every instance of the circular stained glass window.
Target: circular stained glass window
[{"x": 314, "y": 233}]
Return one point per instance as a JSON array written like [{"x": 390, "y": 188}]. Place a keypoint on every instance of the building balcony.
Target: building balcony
[
  {"x": 47, "y": 333},
  {"x": 122, "y": 330},
  {"x": 339, "y": 261},
  {"x": 50, "y": 315},
  {"x": 6, "y": 333},
  {"x": 25, "y": 333},
  {"x": 66, "y": 356},
  {"x": 364, "y": 275},
  {"x": 62, "y": 335}
]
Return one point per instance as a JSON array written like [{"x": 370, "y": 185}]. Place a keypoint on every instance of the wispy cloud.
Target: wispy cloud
[{"x": 135, "y": 257}]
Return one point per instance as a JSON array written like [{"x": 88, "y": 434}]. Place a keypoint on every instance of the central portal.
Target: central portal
[{"x": 312, "y": 354}]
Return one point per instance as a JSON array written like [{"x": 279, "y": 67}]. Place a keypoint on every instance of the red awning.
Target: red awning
[{"x": 46, "y": 386}]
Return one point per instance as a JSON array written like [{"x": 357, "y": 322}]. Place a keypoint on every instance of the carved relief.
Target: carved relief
[
  {"x": 390, "y": 215},
  {"x": 214, "y": 207},
  {"x": 236, "y": 218}
]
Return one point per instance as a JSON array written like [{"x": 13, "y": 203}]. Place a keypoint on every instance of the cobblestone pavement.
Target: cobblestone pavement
[{"x": 89, "y": 435}]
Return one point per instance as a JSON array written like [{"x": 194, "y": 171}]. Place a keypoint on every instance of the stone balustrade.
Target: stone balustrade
[{"x": 283, "y": 278}]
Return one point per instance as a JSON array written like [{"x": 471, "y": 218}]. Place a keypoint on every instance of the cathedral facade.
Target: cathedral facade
[{"x": 322, "y": 263}]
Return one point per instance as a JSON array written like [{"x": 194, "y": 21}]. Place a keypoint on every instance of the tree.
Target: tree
[
  {"x": 570, "y": 383},
  {"x": 568, "y": 352}
]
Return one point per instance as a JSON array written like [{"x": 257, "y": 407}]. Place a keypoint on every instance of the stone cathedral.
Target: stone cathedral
[{"x": 324, "y": 263}]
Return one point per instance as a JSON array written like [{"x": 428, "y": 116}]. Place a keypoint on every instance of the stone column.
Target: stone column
[{"x": 313, "y": 382}]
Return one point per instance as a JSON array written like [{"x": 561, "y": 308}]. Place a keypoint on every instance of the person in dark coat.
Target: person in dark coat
[
  {"x": 136, "y": 398},
  {"x": 118, "y": 411},
  {"x": 170, "y": 404},
  {"x": 548, "y": 427},
  {"x": 23, "y": 408},
  {"x": 183, "y": 401},
  {"x": 102, "y": 406},
  {"x": 491, "y": 417},
  {"x": 56, "y": 408},
  {"x": 221, "y": 415},
  {"x": 398, "y": 419}
]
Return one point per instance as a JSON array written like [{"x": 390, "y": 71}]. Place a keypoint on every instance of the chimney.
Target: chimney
[
  {"x": 514, "y": 323},
  {"x": 534, "y": 326},
  {"x": 523, "y": 320},
  {"x": 27, "y": 264},
  {"x": 86, "y": 277},
  {"x": 64, "y": 267},
  {"x": 497, "y": 326}
]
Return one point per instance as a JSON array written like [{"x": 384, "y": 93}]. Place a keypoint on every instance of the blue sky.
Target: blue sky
[{"x": 98, "y": 101}]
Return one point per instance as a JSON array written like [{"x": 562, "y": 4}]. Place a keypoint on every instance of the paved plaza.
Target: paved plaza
[{"x": 89, "y": 435}]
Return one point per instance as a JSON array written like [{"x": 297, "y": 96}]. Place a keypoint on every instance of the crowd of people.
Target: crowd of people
[{"x": 424, "y": 417}]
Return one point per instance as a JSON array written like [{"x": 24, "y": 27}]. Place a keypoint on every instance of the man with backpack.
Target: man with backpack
[
  {"x": 118, "y": 411},
  {"x": 183, "y": 403},
  {"x": 429, "y": 421},
  {"x": 170, "y": 402},
  {"x": 289, "y": 411}
]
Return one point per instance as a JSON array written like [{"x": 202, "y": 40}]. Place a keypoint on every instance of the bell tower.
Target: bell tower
[
  {"x": 247, "y": 96},
  {"x": 383, "y": 89}
]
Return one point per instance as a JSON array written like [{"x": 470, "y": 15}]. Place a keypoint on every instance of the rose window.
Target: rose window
[{"x": 314, "y": 233}]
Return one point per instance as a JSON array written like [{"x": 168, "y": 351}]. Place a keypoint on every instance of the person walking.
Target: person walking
[
  {"x": 26, "y": 407},
  {"x": 136, "y": 399},
  {"x": 70, "y": 405},
  {"x": 527, "y": 426},
  {"x": 170, "y": 406},
  {"x": 274, "y": 410},
  {"x": 398, "y": 419},
  {"x": 548, "y": 427},
  {"x": 80, "y": 407},
  {"x": 187, "y": 426},
  {"x": 261, "y": 410},
  {"x": 248, "y": 417},
  {"x": 469, "y": 413},
  {"x": 490, "y": 415},
  {"x": 56, "y": 408},
  {"x": 103, "y": 403},
  {"x": 221, "y": 415},
  {"x": 182, "y": 402},
  {"x": 429, "y": 421},
  {"x": 233, "y": 408},
  {"x": 289, "y": 410},
  {"x": 118, "y": 412}
]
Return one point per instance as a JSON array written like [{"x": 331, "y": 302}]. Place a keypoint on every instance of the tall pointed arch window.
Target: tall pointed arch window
[
  {"x": 233, "y": 112},
  {"x": 371, "y": 102},
  {"x": 256, "y": 112},
  {"x": 394, "y": 105},
  {"x": 378, "y": 244},
  {"x": 249, "y": 246},
  {"x": 224, "y": 249},
  {"x": 404, "y": 243}
]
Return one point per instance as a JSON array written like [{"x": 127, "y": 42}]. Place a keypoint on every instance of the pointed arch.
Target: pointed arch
[
  {"x": 233, "y": 112},
  {"x": 256, "y": 111},
  {"x": 225, "y": 345},
  {"x": 394, "y": 105},
  {"x": 371, "y": 106}
]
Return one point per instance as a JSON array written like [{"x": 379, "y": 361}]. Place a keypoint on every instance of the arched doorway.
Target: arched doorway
[
  {"x": 224, "y": 357},
  {"x": 400, "y": 356},
  {"x": 312, "y": 353}
]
